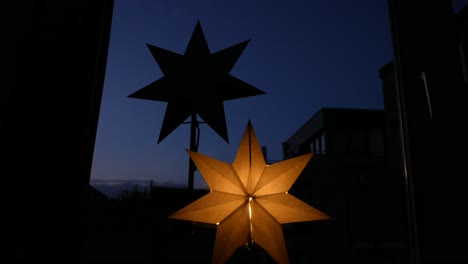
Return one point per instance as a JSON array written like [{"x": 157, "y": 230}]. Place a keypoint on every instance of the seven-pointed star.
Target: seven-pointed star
[
  {"x": 196, "y": 82},
  {"x": 248, "y": 200}
]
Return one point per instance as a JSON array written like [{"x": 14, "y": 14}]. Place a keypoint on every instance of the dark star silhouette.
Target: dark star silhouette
[{"x": 196, "y": 82}]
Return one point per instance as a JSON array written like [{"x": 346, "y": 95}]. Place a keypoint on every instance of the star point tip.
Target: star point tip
[{"x": 150, "y": 47}]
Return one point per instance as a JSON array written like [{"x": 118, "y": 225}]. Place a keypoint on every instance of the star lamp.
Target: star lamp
[
  {"x": 197, "y": 82},
  {"x": 249, "y": 200}
]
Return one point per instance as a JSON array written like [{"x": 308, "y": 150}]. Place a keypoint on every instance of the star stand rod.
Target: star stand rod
[{"x": 194, "y": 141}]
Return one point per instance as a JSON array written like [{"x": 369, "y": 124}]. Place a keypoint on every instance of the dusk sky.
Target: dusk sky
[{"x": 304, "y": 54}]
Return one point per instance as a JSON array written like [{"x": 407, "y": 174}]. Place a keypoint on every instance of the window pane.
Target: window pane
[
  {"x": 317, "y": 146},
  {"x": 338, "y": 142},
  {"x": 376, "y": 143},
  {"x": 323, "y": 143},
  {"x": 357, "y": 143}
]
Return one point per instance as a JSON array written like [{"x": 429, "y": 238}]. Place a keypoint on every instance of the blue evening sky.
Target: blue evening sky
[{"x": 304, "y": 54}]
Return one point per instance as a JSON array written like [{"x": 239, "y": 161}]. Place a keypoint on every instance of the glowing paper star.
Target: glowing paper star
[
  {"x": 196, "y": 82},
  {"x": 249, "y": 200}
]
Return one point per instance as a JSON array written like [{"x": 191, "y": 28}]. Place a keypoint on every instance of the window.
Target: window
[
  {"x": 317, "y": 145},
  {"x": 323, "y": 143},
  {"x": 376, "y": 143},
  {"x": 357, "y": 142},
  {"x": 337, "y": 142}
]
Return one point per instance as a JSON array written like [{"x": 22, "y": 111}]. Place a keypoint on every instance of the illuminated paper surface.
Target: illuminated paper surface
[{"x": 249, "y": 200}]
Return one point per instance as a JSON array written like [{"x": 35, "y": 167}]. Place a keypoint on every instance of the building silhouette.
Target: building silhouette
[{"x": 347, "y": 180}]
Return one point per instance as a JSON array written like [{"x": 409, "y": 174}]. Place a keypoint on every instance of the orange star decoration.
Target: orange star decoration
[{"x": 249, "y": 200}]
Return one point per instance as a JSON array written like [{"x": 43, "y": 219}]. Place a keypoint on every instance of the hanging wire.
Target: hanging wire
[
  {"x": 197, "y": 124},
  {"x": 198, "y": 136}
]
